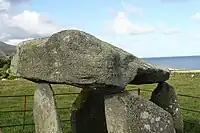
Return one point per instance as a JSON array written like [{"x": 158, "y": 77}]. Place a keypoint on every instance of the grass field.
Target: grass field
[{"x": 184, "y": 84}]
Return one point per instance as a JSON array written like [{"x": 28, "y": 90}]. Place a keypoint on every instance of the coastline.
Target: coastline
[{"x": 183, "y": 71}]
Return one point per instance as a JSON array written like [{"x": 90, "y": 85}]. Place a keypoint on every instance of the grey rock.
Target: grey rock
[
  {"x": 45, "y": 114},
  {"x": 77, "y": 58},
  {"x": 129, "y": 113},
  {"x": 165, "y": 96},
  {"x": 87, "y": 115},
  {"x": 23, "y": 55}
]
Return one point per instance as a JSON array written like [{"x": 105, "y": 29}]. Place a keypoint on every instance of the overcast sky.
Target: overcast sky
[{"x": 145, "y": 28}]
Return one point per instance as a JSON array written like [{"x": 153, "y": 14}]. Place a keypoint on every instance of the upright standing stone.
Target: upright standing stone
[
  {"x": 129, "y": 113},
  {"x": 165, "y": 96},
  {"x": 87, "y": 114},
  {"x": 45, "y": 115}
]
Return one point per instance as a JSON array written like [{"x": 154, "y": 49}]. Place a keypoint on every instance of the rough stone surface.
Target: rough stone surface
[
  {"x": 129, "y": 113},
  {"x": 78, "y": 58},
  {"x": 87, "y": 115},
  {"x": 165, "y": 96},
  {"x": 45, "y": 115}
]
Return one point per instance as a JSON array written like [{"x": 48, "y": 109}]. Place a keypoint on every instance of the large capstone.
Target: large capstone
[
  {"x": 129, "y": 113},
  {"x": 46, "y": 117},
  {"x": 165, "y": 96},
  {"x": 77, "y": 58}
]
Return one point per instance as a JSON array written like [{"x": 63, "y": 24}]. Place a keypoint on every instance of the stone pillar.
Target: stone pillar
[
  {"x": 87, "y": 115},
  {"x": 129, "y": 113},
  {"x": 45, "y": 114},
  {"x": 165, "y": 96}
]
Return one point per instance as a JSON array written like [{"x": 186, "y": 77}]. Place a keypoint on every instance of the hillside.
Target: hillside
[{"x": 6, "y": 50}]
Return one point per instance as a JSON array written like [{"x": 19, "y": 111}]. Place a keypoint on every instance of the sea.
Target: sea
[{"x": 181, "y": 62}]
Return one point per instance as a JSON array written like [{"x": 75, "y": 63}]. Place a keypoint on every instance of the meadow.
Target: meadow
[{"x": 184, "y": 83}]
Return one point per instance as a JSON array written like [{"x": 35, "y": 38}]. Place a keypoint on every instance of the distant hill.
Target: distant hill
[{"x": 6, "y": 49}]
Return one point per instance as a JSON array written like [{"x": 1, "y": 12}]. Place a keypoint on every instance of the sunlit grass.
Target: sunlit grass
[{"x": 183, "y": 83}]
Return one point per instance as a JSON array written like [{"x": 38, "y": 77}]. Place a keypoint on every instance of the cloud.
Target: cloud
[
  {"x": 17, "y": 41},
  {"x": 7, "y": 4},
  {"x": 168, "y": 31},
  {"x": 131, "y": 8},
  {"x": 34, "y": 23},
  {"x": 4, "y": 5},
  {"x": 17, "y": 1},
  {"x": 122, "y": 25},
  {"x": 26, "y": 24},
  {"x": 196, "y": 17},
  {"x": 195, "y": 36}
]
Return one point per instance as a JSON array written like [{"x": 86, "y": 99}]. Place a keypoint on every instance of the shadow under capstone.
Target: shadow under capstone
[{"x": 88, "y": 113}]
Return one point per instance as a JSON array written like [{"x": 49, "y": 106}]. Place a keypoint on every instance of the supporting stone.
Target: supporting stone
[
  {"x": 165, "y": 96},
  {"x": 45, "y": 114},
  {"x": 88, "y": 115},
  {"x": 129, "y": 113}
]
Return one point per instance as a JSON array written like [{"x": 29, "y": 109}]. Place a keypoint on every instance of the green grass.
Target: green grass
[{"x": 183, "y": 83}]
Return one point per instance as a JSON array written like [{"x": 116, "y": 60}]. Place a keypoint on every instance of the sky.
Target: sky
[{"x": 145, "y": 28}]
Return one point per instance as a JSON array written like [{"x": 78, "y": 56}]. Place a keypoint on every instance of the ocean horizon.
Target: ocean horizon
[{"x": 176, "y": 62}]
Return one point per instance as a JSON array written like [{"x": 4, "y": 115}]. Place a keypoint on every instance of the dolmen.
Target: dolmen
[{"x": 102, "y": 71}]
